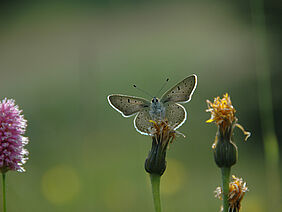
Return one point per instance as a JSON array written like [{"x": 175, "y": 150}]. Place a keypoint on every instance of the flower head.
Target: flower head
[
  {"x": 222, "y": 111},
  {"x": 162, "y": 135},
  {"x": 237, "y": 190},
  {"x": 12, "y": 142},
  {"x": 162, "y": 131},
  {"x": 223, "y": 114}
]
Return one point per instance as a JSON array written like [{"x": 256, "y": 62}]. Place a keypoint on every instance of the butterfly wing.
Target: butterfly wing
[
  {"x": 142, "y": 122},
  {"x": 175, "y": 114},
  {"x": 127, "y": 105},
  {"x": 182, "y": 91}
]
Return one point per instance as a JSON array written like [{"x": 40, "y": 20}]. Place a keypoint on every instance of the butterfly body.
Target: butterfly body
[
  {"x": 166, "y": 108},
  {"x": 157, "y": 110}
]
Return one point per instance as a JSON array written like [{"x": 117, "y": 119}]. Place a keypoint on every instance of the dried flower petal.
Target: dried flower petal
[
  {"x": 223, "y": 114},
  {"x": 237, "y": 190},
  {"x": 222, "y": 111}
]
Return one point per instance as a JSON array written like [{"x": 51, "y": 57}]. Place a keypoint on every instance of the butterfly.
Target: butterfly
[{"x": 166, "y": 108}]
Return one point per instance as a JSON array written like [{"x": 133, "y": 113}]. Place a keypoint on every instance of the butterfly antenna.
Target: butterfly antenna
[
  {"x": 165, "y": 83},
  {"x": 147, "y": 93}
]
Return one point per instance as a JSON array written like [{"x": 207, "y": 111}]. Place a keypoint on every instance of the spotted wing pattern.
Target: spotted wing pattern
[
  {"x": 127, "y": 105},
  {"x": 142, "y": 122},
  {"x": 182, "y": 91},
  {"x": 175, "y": 114}
]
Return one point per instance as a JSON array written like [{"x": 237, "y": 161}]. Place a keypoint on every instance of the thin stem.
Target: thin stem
[
  {"x": 155, "y": 181},
  {"x": 225, "y": 173},
  {"x": 4, "y": 191}
]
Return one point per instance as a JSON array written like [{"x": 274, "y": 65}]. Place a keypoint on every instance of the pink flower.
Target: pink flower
[{"x": 12, "y": 142}]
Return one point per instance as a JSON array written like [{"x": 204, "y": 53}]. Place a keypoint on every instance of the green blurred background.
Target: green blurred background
[{"x": 60, "y": 60}]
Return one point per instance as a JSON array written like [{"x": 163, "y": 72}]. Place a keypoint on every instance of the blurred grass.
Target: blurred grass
[
  {"x": 271, "y": 145},
  {"x": 60, "y": 61}
]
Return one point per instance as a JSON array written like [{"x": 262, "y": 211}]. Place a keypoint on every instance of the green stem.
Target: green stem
[
  {"x": 155, "y": 181},
  {"x": 4, "y": 191},
  {"x": 225, "y": 173}
]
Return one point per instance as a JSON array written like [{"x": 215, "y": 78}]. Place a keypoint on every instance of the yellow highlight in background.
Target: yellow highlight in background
[
  {"x": 174, "y": 177},
  {"x": 252, "y": 203},
  {"x": 60, "y": 184}
]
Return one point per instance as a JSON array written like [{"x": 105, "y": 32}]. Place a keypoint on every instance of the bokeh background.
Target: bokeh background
[{"x": 60, "y": 60}]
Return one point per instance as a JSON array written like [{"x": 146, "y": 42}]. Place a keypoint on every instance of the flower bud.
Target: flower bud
[
  {"x": 155, "y": 162},
  {"x": 162, "y": 134},
  {"x": 225, "y": 151}
]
